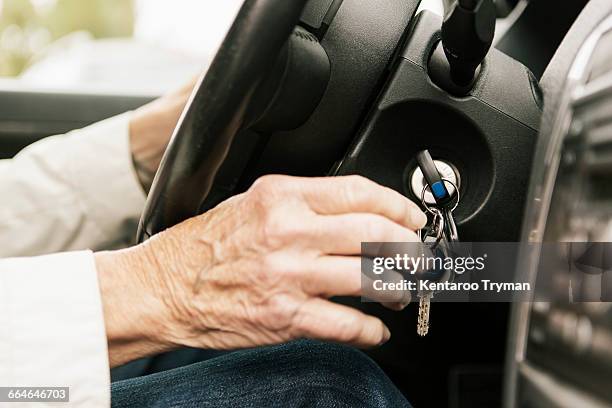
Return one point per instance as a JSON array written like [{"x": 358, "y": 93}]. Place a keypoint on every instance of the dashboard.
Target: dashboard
[{"x": 560, "y": 352}]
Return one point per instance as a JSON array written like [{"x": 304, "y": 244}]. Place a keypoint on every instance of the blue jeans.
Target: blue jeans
[{"x": 299, "y": 374}]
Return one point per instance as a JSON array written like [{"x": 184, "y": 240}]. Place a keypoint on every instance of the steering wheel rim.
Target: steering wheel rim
[{"x": 216, "y": 111}]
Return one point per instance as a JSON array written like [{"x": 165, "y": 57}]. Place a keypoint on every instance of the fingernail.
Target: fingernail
[
  {"x": 406, "y": 299},
  {"x": 419, "y": 219},
  {"x": 386, "y": 336}
]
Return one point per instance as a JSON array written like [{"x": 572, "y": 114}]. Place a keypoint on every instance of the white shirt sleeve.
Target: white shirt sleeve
[
  {"x": 71, "y": 192},
  {"x": 67, "y": 192},
  {"x": 52, "y": 328}
]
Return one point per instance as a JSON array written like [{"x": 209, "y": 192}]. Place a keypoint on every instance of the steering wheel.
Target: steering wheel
[{"x": 220, "y": 107}]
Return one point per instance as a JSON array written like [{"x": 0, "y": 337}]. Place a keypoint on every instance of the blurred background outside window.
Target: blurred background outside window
[{"x": 143, "y": 47}]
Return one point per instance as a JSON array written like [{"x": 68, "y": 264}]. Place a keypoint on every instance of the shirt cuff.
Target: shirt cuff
[
  {"x": 95, "y": 164},
  {"x": 112, "y": 194},
  {"x": 52, "y": 327}
]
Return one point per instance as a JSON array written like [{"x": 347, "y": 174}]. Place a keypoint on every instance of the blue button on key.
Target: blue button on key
[{"x": 439, "y": 190}]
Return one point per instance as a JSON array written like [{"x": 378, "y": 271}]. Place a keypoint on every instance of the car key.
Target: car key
[
  {"x": 433, "y": 234},
  {"x": 437, "y": 185},
  {"x": 423, "y": 318},
  {"x": 444, "y": 227},
  {"x": 450, "y": 227},
  {"x": 433, "y": 180}
]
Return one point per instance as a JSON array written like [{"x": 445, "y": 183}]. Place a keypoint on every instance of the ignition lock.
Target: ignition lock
[{"x": 447, "y": 171}]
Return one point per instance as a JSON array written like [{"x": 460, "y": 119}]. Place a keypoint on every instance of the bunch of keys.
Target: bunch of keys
[{"x": 441, "y": 231}]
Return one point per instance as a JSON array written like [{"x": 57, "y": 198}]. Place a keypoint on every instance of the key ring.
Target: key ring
[
  {"x": 429, "y": 208},
  {"x": 438, "y": 225}
]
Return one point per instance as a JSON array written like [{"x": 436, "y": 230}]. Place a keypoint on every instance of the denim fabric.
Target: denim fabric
[
  {"x": 299, "y": 374},
  {"x": 163, "y": 362}
]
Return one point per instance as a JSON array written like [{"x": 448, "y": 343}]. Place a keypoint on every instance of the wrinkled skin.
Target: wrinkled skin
[
  {"x": 257, "y": 270},
  {"x": 151, "y": 127}
]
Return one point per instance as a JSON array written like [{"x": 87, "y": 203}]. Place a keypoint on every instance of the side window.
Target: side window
[{"x": 135, "y": 47}]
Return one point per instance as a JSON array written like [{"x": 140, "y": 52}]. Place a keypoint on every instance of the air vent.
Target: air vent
[
  {"x": 591, "y": 140},
  {"x": 568, "y": 343}
]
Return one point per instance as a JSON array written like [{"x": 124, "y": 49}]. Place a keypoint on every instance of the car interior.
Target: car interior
[{"x": 504, "y": 93}]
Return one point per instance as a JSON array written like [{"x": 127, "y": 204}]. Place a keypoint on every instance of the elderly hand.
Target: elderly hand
[
  {"x": 151, "y": 127},
  {"x": 257, "y": 270}
]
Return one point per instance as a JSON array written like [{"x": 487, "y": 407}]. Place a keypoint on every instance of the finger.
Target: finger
[
  {"x": 355, "y": 194},
  {"x": 388, "y": 287},
  {"x": 343, "y": 234},
  {"x": 403, "y": 250},
  {"x": 331, "y": 276},
  {"x": 323, "y": 320}
]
